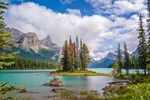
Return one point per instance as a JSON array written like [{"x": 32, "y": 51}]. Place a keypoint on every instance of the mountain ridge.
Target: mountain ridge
[{"x": 31, "y": 47}]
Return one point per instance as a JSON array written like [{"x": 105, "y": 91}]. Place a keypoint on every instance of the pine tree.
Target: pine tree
[
  {"x": 4, "y": 36},
  {"x": 148, "y": 43},
  {"x": 75, "y": 56},
  {"x": 119, "y": 58},
  {"x": 5, "y": 44},
  {"x": 81, "y": 55},
  {"x": 86, "y": 57},
  {"x": 116, "y": 68},
  {"x": 127, "y": 59},
  {"x": 71, "y": 51},
  {"x": 77, "y": 53},
  {"x": 142, "y": 49},
  {"x": 64, "y": 60}
]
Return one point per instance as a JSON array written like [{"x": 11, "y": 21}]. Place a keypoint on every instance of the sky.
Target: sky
[{"x": 101, "y": 24}]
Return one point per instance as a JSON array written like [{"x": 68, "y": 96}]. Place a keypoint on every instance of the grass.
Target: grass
[{"x": 79, "y": 73}]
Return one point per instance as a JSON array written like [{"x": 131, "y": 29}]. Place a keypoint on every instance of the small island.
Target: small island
[{"x": 78, "y": 73}]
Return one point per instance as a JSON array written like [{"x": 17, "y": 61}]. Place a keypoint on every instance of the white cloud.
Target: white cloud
[
  {"x": 117, "y": 7},
  {"x": 74, "y": 11},
  {"x": 67, "y": 1},
  {"x": 95, "y": 30}
]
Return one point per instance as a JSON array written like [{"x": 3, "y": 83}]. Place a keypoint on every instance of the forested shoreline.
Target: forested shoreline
[{"x": 23, "y": 64}]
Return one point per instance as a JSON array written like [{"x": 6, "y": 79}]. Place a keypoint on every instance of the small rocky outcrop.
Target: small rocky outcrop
[
  {"x": 55, "y": 82},
  {"x": 56, "y": 90},
  {"x": 23, "y": 91}
]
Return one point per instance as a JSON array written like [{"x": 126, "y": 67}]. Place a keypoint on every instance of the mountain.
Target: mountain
[
  {"x": 135, "y": 53},
  {"x": 30, "y": 47},
  {"x": 105, "y": 62},
  {"x": 109, "y": 59},
  {"x": 52, "y": 46}
]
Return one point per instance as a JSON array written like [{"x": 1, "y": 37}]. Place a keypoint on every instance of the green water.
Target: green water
[{"x": 35, "y": 78}]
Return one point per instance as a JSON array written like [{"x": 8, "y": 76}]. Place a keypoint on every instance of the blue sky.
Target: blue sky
[{"x": 102, "y": 24}]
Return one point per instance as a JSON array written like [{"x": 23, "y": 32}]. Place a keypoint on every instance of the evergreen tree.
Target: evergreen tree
[
  {"x": 119, "y": 58},
  {"x": 4, "y": 36},
  {"x": 135, "y": 64},
  {"x": 75, "y": 56},
  {"x": 142, "y": 49},
  {"x": 77, "y": 53},
  {"x": 81, "y": 55},
  {"x": 116, "y": 68},
  {"x": 71, "y": 51},
  {"x": 86, "y": 57},
  {"x": 148, "y": 43},
  {"x": 4, "y": 43},
  {"x": 65, "y": 59},
  {"x": 127, "y": 59}
]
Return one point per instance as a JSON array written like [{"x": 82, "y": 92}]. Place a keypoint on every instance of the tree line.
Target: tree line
[
  {"x": 22, "y": 64},
  {"x": 143, "y": 60},
  {"x": 75, "y": 55}
]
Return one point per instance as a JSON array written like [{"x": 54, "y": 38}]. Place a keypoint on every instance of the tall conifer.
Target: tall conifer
[
  {"x": 4, "y": 36},
  {"x": 142, "y": 49},
  {"x": 127, "y": 59},
  {"x": 119, "y": 58}
]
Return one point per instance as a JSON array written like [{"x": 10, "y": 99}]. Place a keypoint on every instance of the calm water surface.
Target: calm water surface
[{"x": 35, "y": 78}]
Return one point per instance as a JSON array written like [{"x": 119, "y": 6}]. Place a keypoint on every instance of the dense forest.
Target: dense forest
[
  {"x": 75, "y": 56},
  {"x": 21, "y": 63}
]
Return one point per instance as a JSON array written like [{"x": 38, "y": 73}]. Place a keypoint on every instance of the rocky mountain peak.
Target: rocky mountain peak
[
  {"x": 111, "y": 55},
  {"x": 31, "y": 41},
  {"x": 48, "y": 38},
  {"x": 48, "y": 42}
]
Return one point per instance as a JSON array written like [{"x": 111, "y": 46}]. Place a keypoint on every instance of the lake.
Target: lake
[{"x": 35, "y": 78}]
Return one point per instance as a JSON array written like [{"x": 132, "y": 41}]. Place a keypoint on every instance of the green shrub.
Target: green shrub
[{"x": 84, "y": 92}]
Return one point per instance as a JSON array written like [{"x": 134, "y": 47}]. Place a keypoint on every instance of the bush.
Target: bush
[{"x": 84, "y": 93}]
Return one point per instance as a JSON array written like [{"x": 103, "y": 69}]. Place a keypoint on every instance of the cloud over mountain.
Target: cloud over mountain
[{"x": 101, "y": 33}]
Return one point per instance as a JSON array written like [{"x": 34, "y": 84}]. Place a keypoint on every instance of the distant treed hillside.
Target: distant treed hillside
[{"x": 21, "y": 63}]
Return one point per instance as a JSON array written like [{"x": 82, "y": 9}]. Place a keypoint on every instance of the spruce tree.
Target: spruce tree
[
  {"x": 4, "y": 36},
  {"x": 127, "y": 59},
  {"x": 148, "y": 43},
  {"x": 75, "y": 56},
  {"x": 64, "y": 60},
  {"x": 119, "y": 57},
  {"x": 71, "y": 51},
  {"x": 85, "y": 57},
  {"x": 142, "y": 49},
  {"x": 77, "y": 53},
  {"x": 5, "y": 44},
  {"x": 81, "y": 55},
  {"x": 116, "y": 68}
]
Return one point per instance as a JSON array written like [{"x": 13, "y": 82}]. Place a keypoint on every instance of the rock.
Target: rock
[
  {"x": 114, "y": 86},
  {"x": 125, "y": 82},
  {"x": 55, "y": 82},
  {"x": 23, "y": 91},
  {"x": 31, "y": 41},
  {"x": 53, "y": 96},
  {"x": 58, "y": 90}
]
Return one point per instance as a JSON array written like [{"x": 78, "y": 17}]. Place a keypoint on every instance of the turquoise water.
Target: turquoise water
[
  {"x": 35, "y": 78},
  {"x": 109, "y": 70}
]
